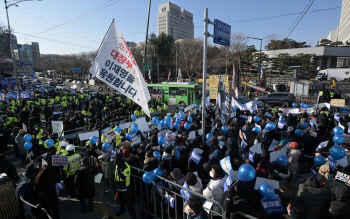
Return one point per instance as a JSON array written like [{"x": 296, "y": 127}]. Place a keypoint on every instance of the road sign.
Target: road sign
[
  {"x": 76, "y": 69},
  {"x": 222, "y": 33},
  {"x": 146, "y": 67},
  {"x": 25, "y": 63}
]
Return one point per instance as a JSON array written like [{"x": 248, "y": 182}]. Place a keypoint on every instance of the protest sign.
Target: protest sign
[
  {"x": 108, "y": 133},
  {"x": 57, "y": 127},
  {"x": 195, "y": 157},
  {"x": 88, "y": 135},
  {"x": 207, "y": 206},
  {"x": 186, "y": 194},
  {"x": 272, "y": 205},
  {"x": 338, "y": 102},
  {"x": 243, "y": 145},
  {"x": 256, "y": 149},
  {"x": 332, "y": 163},
  {"x": 274, "y": 155},
  {"x": 98, "y": 178},
  {"x": 226, "y": 165},
  {"x": 169, "y": 200},
  {"x": 115, "y": 65},
  {"x": 322, "y": 145},
  {"x": 259, "y": 180},
  {"x": 251, "y": 156},
  {"x": 59, "y": 186},
  {"x": 291, "y": 111},
  {"x": 228, "y": 182},
  {"x": 273, "y": 144},
  {"x": 136, "y": 140},
  {"x": 189, "y": 108},
  {"x": 343, "y": 162},
  {"x": 58, "y": 160},
  {"x": 141, "y": 122},
  {"x": 342, "y": 177}
]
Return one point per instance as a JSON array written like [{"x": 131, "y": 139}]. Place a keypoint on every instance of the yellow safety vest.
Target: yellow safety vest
[
  {"x": 126, "y": 173},
  {"x": 137, "y": 113},
  {"x": 73, "y": 164}
]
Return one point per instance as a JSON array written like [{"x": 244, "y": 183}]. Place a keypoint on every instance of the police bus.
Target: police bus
[{"x": 176, "y": 93}]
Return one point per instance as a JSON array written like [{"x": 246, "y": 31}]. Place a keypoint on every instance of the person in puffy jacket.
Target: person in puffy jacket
[
  {"x": 340, "y": 197},
  {"x": 293, "y": 157}
]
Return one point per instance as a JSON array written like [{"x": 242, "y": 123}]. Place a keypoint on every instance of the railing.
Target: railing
[
  {"x": 42, "y": 210},
  {"x": 151, "y": 202}
]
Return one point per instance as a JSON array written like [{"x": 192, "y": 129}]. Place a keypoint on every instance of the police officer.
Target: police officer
[
  {"x": 122, "y": 176},
  {"x": 73, "y": 166}
]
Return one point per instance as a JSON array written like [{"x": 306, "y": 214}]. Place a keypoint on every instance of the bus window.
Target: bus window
[
  {"x": 156, "y": 90},
  {"x": 181, "y": 91},
  {"x": 199, "y": 92},
  {"x": 172, "y": 91}
]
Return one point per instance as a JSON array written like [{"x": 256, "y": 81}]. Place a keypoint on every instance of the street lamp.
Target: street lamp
[
  {"x": 261, "y": 39},
  {"x": 12, "y": 3}
]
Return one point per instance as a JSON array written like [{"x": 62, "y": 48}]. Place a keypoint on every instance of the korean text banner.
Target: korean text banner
[{"x": 115, "y": 65}]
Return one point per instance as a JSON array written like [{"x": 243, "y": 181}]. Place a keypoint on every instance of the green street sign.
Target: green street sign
[{"x": 146, "y": 67}]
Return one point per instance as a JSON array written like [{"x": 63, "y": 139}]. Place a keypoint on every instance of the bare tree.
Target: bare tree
[{"x": 238, "y": 42}]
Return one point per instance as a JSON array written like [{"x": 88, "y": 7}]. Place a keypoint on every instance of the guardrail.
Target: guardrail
[
  {"x": 41, "y": 209},
  {"x": 149, "y": 198}
]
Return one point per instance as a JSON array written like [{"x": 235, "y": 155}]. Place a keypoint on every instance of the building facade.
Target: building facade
[
  {"x": 175, "y": 21},
  {"x": 342, "y": 33}
]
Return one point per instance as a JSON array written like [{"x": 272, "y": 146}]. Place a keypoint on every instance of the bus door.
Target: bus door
[
  {"x": 190, "y": 96},
  {"x": 172, "y": 95},
  {"x": 165, "y": 95}
]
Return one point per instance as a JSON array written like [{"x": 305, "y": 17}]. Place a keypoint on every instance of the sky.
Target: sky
[{"x": 75, "y": 26}]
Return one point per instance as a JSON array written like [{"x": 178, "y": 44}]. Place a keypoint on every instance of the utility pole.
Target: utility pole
[{"x": 145, "y": 51}]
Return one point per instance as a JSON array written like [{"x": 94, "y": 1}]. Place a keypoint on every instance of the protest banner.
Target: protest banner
[
  {"x": 273, "y": 144},
  {"x": 108, "y": 133},
  {"x": 226, "y": 165},
  {"x": 136, "y": 141},
  {"x": 338, "y": 102},
  {"x": 272, "y": 205},
  {"x": 259, "y": 180},
  {"x": 58, "y": 160},
  {"x": 88, "y": 135},
  {"x": 256, "y": 149},
  {"x": 115, "y": 65}
]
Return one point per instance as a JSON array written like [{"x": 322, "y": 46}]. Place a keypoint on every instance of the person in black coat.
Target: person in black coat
[{"x": 85, "y": 184}]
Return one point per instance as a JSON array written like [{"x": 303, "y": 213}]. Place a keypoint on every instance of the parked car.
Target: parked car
[{"x": 278, "y": 99}]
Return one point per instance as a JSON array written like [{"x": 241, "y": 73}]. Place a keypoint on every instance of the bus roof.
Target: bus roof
[{"x": 175, "y": 84}]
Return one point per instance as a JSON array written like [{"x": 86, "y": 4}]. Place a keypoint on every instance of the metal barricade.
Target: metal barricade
[{"x": 42, "y": 210}]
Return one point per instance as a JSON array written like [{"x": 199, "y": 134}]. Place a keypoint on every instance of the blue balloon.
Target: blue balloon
[
  {"x": 93, "y": 140},
  {"x": 135, "y": 125},
  {"x": 299, "y": 132},
  {"x": 28, "y": 145},
  {"x": 208, "y": 136},
  {"x": 167, "y": 124},
  {"x": 128, "y": 136},
  {"x": 181, "y": 112},
  {"x": 267, "y": 114},
  {"x": 161, "y": 140},
  {"x": 163, "y": 123},
  {"x": 168, "y": 118},
  {"x": 118, "y": 129},
  {"x": 28, "y": 137},
  {"x": 196, "y": 106},
  {"x": 182, "y": 116},
  {"x": 49, "y": 142},
  {"x": 155, "y": 119},
  {"x": 148, "y": 177},
  {"x": 156, "y": 153},
  {"x": 235, "y": 108},
  {"x": 224, "y": 129},
  {"x": 266, "y": 190},
  {"x": 256, "y": 118},
  {"x": 337, "y": 152},
  {"x": 282, "y": 160},
  {"x": 187, "y": 126},
  {"x": 189, "y": 119},
  {"x": 246, "y": 173},
  {"x": 158, "y": 172},
  {"x": 106, "y": 146},
  {"x": 338, "y": 131},
  {"x": 256, "y": 129},
  {"x": 176, "y": 125},
  {"x": 302, "y": 105},
  {"x": 338, "y": 139},
  {"x": 133, "y": 117},
  {"x": 306, "y": 106},
  {"x": 295, "y": 105},
  {"x": 134, "y": 130},
  {"x": 282, "y": 119},
  {"x": 304, "y": 125},
  {"x": 177, "y": 120},
  {"x": 270, "y": 126},
  {"x": 319, "y": 160}
]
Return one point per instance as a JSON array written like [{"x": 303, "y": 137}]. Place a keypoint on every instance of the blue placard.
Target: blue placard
[
  {"x": 272, "y": 205},
  {"x": 222, "y": 33},
  {"x": 195, "y": 157},
  {"x": 314, "y": 171},
  {"x": 226, "y": 165},
  {"x": 136, "y": 140},
  {"x": 177, "y": 155},
  {"x": 73, "y": 91},
  {"x": 228, "y": 182},
  {"x": 159, "y": 188},
  {"x": 243, "y": 145},
  {"x": 336, "y": 118},
  {"x": 76, "y": 69},
  {"x": 251, "y": 156},
  {"x": 169, "y": 200},
  {"x": 59, "y": 186},
  {"x": 186, "y": 194},
  {"x": 332, "y": 163}
]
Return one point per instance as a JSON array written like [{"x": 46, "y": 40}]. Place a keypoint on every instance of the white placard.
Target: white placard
[
  {"x": 292, "y": 111},
  {"x": 343, "y": 162},
  {"x": 88, "y": 135},
  {"x": 162, "y": 133},
  {"x": 98, "y": 178},
  {"x": 207, "y": 206},
  {"x": 273, "y": 144},
  {"x": 274, "y": 155},
  {"x": 256, "y": 149},
  {"x": 141, "y": 122},
  {"x": 57, "y": 127},
  {"x": 188, "y": 108},
  {"x": 259, "y": 180}
]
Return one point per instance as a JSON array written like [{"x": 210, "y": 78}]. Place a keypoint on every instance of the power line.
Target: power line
[
  {"x": 300, "y": 19},
  {"x": 94, "y": 10},
  {"x": 56, "y": 41}
]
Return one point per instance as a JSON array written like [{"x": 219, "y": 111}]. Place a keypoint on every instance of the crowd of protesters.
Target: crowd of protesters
[{"x": 304, "y": 193}]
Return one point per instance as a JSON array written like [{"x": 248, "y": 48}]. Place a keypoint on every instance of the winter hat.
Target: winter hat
[
  {"x": 176, "y": 174},
  {"x": 290, "y": 128},
  {"x": 293, "y": 145}
]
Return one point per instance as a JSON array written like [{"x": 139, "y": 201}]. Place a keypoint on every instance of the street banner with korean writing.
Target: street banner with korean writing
[{"x": 115, "y": 65}]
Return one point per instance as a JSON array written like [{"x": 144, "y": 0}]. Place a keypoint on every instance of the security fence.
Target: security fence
[{"x": 160, "y": 199}]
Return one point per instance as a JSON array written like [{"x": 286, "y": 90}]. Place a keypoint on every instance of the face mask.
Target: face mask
[{"x": 211, "y": 174}]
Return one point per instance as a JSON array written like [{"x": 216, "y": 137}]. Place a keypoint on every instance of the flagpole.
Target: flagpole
[{"x": 205, "y": 39}]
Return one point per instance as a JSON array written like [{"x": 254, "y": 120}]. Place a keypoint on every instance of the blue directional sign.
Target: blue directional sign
[
  {"x": 222, "y": 33},
  {"x": 76, "y": 69}
]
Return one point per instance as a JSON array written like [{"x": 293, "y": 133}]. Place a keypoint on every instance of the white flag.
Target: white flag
[
  {"x": 115, "y": 65},
  {"x": 322, "y": 145},
  {"x": 149, "y": 75}
]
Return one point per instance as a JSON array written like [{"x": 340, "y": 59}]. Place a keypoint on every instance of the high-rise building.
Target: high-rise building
[
  {"x": 342, "y": 33},
  {"x": 175, "y": 21}
]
